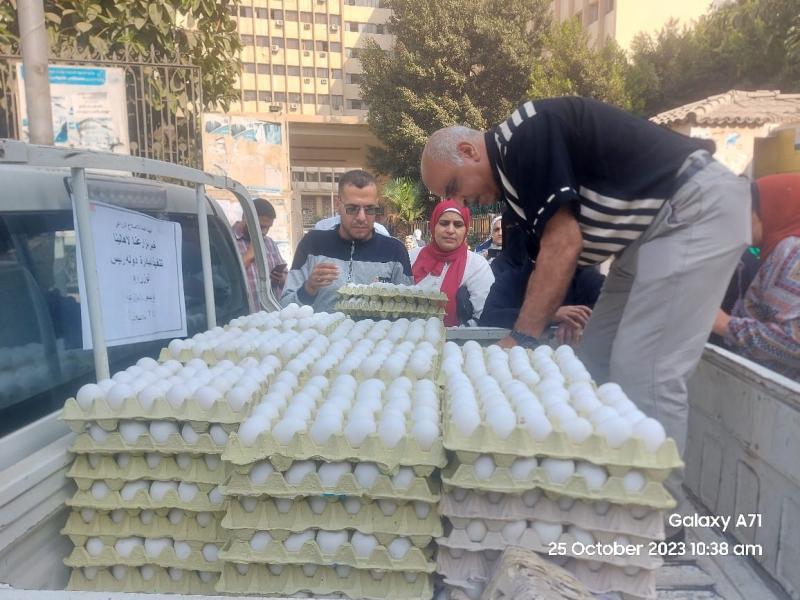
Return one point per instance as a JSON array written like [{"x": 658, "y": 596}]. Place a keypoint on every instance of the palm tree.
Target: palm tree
[{"x": 404, "y": 197}]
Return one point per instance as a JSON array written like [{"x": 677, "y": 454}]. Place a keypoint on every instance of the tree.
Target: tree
[
  {"x": 454, "y": 62},
  {"x": 569, "y": 66},
  {"x": 405, "y": 197},
  {"x": 746, "y": 44}
]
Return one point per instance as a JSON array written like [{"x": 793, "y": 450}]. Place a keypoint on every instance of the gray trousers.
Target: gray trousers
[{"x": 658, "y": 303}]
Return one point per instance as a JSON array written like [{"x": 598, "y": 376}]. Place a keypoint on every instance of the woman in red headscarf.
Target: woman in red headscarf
[
  {"x": 765, "y": 325},
  {"x": 447, "y": 265}
]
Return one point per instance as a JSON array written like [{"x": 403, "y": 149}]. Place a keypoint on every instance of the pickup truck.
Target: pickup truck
[{"x": 741, "y": 460}]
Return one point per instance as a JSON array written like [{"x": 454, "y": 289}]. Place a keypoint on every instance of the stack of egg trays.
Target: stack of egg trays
[
  {"x": 630, "y": 575},
  {"x": 276, "y": 570},
  {"x": 99, "y": 465},
  {"x": 385, "y": 301}
]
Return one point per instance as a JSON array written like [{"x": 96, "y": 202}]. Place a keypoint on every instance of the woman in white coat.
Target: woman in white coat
[{"x": 447, "y": 265}]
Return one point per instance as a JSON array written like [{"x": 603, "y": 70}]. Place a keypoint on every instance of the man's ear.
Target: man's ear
[{"x": 468, "y": 151}]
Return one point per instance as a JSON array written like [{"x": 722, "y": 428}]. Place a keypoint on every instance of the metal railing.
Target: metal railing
[{"x": 78, "y": 161}]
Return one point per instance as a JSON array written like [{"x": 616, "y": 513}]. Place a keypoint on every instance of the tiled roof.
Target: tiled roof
[{"x": 736, "y": 107}]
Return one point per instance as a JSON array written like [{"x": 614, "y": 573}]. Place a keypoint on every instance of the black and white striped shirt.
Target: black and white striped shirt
[{"x": 615, "y": 169}]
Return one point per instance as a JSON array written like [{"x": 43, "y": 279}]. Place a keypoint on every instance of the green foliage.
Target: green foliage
[
  {"x": 404, "y": 196},
  {"x": 569, "y": 66},
  {"x": 454, "y": 62},
  {"x": 745, "y": 44}
]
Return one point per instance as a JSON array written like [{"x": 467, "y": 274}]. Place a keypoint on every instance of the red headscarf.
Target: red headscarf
[
  {"x": 431, "y": 260},
  {"x": 779, "y": 209}
]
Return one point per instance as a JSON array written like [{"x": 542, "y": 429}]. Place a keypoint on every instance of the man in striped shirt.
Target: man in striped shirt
[{"x": 589, "y": 182}]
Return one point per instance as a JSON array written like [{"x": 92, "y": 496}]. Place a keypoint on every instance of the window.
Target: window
[
  {"x": 294, "y": 97},
  {"x": 247, "y": 40},
  {"x": 308, "y": 71},
  {"x": 278, "y": 70},
  {"x": 336, "y": 73},
  {"x": 609, "y": 6},
  {"x": 250, "y": 96},
  {"x": 312, "y": 176},
  {"x": 249, "y": 67},
  {"x": 279, "y": 96},
  {"x": 579, "y": 16},
  {"x": 292, "y": 43},
  {"x": 276, "y": 14},
  {"x": 278, "y": 41},
  {"x": 263, "y": 69},
  {"x": 298, "y": 176},
  {"x": 324, "y": 99},
  {"x": 262, "y": 41},
  {"x": 335, "y": 20},
  {"x": 41, "y": 315},
  {"x": 353, "y": 78},
  {"x": 309, "y": 99},
  {"x": 352, "y": 52},
  {"x": 264, "y": 96},
  {"x": 320, "y": 18},
  {"x": 322, "y": 72},
  {"x": 245, "y": 11},
  {"x": 293, "y": 70},
  {"x": 336, "y": 101},
  {"x": 351, "y": 26},
  {"x": 290, "y": 15},
  {"x": 306, "y": 17},
  {"x": 593, "y": 13},
  {"x": 335, "y": 46},
  {"x": 356, "y": 105},
  {"x": 308, "y": 45},
  {"x": 262, "y": 13},
  {"x": 321, "y": 46}
]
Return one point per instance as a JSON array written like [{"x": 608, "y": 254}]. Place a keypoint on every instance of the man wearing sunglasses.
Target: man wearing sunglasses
[{"x": 325, "y": 260}]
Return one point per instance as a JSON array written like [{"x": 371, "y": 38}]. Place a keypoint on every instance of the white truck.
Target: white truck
[{"x": 744, "y": 435}]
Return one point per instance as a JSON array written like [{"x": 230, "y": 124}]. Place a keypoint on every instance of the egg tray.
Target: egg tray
[
  {"x": 114, "y": 444},
  {"x": 495, "y": 540},
  {"x": 473, "y": 568},
  {"x": 142, "y": 500},
  {"x": 167, "y": 470},
  {"x": 653, "y": 494},
  {"x": 80, "y": 557},
  {"x": 389, "y": 310},
  {"x": 133, "y": 581},
  {"x": 511, "y": 507},
  {"x": 359, "y": 585},
  {"x": 79, "y": 530},
  {"x": 421, "y": 488},
  {"x": 370, "y": 519},
  {"x": 414, "y": 292},
  {"x": 336, "y": 449},
  {"x": 131, "y": 409},
  {"x": 595, "y": 449},
  {"x": 415, "y": 560}
]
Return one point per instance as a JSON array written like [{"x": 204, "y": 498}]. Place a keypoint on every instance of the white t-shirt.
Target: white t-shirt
[
  {"x": 478, "y": 277},
  {"x": 332, "y": 222}
]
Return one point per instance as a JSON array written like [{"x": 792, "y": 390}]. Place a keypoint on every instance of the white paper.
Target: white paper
[{"x": 140, "y": 274}]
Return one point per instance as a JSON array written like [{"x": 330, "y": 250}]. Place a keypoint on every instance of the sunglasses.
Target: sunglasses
[{"x": 354, "y": 209}]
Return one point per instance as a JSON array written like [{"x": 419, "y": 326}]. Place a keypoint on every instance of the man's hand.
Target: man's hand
[
  {"x": 278, "y": 275},
  {"x": 249, "y": 256},
  {"x": 721, "y": 323},
  {"x": 568, "y": 334},
  {"x": 576, "y": 316},
  {"x": 321, "y": 276},
  {"x": 507, "y": 342}
]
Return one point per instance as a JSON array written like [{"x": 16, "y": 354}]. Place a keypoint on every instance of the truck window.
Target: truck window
[{"x": 42, "y": 362}]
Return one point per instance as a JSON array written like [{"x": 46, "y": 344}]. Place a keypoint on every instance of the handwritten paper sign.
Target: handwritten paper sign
[{"x": 139, "y": 270}]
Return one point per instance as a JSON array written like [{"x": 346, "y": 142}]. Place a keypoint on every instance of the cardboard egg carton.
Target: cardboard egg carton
[
  {"x": 424, "y": 489},
  {"x": 219, "y": 412},
  {"x": 474, "y": 569},
  {"x": 595, "y": 449},
  {"x": 394, "y": 291},
  {"x": 388, "y": 309},
  {"x": 496, "y": 539},
  {"x": 512, "y": 507},
  {"x": 131, "y": 525},
  {"x": 366, "y": 585},
  {"x": 175, "y": 444},
  {"x": 80, "y": 557},
  {"x": 337, "y": 448},
  {"x": 167, "y": 470},
  {"x": 419, "y": 541},
  {"x": 142, "y": 500},
  {"x": 370, "y": 519},
  {"x": 653, "y": 494},
  {"x": 415, "y": 560},
  {"x": 133, "y": 581}
]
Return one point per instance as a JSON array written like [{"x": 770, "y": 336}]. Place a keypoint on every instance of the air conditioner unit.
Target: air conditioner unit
[
  {"x": 278, "y": 23},
  {"x": 334, "y": 27},
  {"x": 306, "y": 53},
  {"x": 274, "y": 108},
  {"x": 275, "y": 48},
  {"x": 307, "y": 80},
  {"x": 323, "y": 54},
  {"x": 323, "y": 82},
  {"x": 306, "y": 25},
  {"x": 293, "y": 107}
]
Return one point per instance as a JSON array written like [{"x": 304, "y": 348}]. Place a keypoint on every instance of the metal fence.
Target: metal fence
[{"x": 164, "y": 102}]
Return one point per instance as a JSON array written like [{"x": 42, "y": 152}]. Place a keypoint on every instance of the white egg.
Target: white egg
[
  {"x": 531, "y": 497},
  {"x": 324, "y": 427},
  {"x": 594, "y": 476},
  {"x": 502, "y": 422},
  {"x": 206, "y": 396},
  {"x": 426, "y": 434},
  {"x": 601, "y": 508},
  {"x": 581, "y": 535},
  {"x": 298, "y": 471},
  {"x": 476, "y": 530},
  {"x": 522, "y": 468},
  {"x": 117, "y": 515},
  {"x": 547, "y": 532},
  {"x": 539, "y": 427},
  {"x": 651, "y": 433},
  {"x": 577, "y": 430},
  {"x": 317, "y": 504},
  {"x": 483, "y": 467},
  {"x": 218, "y": 434},
  {"x": 238, "y": 397},
  {"x": 89, "y": 572},
  {"x": 251, "y": 428},
  {"x": 177, "y": 395},
  {"x": 95, "y": 546},
  {"x": 153, "y": 459},
  {"x": 97, "y": 433},
  {"x": 460, "y": 494},
  {"x": 182, "y": 549},
  {"x": 260, "y": 472},
  {"x": 119, "y": 572},
  {"x": 147, "y": 516},
  {"x": 260, "y": 541},
  {"x": 287, "y": 428},
  {"x": 422, "y": 509},
  {"x": 100, "y": 490},
  {"x": 213, "y": 461},
  {"x": 148, "y": 395},
  {"x": 329, "y": 542},
  {"x": 466, "y": 421},
  {"x": 399, "y": 547},
  {"x": 352, "y": 505},
  {"x": 184, "y": 461},
  {"x": 295, "y": 541},
  {"x": 126, "y": 546},
  {"x": 117, "y": 395},
  {"x": 159, "y": 489},
  {"x": 131, "y": 489},
  {"x": 557, "y": 470},
  {"x": 176, "y": 516},
  {"x": 249, "y": 504},
  {"x": 615, "y": 430},
  {"x": 123, "y": 459},
  {"x": 566, "y": 503},
  {"x": 284, "y": 505},
  {"x": 391, "y": 431},
  {"x": 457, "y": 553},
  {"x": 275, "y": 569},
  {"x": 601, "y": 414},
  {"x": 403, "y": 478},
  {"x": 633, "y": 481},
  {"x": 210, "y": 552},
  {"x": 87, "y": 514},
  {"x": 242, "y": 568},
  {"x": 309, "y": 570},
  {"x": 639, "y": 512},
  {"x": 131, "y": 430},
  {"x": 330, "y": 473},
  {"x": 88, "y": 395},
  {"x": 160, "y": 431},
  {"x": 363, "y": 544},
  {"x": 215, "y": 496},
  {"x": 207, "y": 576},
  {"x": 388, "y": 507},
  {"x": 513, "y": 530}
]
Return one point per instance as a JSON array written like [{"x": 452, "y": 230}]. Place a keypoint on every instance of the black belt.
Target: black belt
[{"x": 697, "y": 163}]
